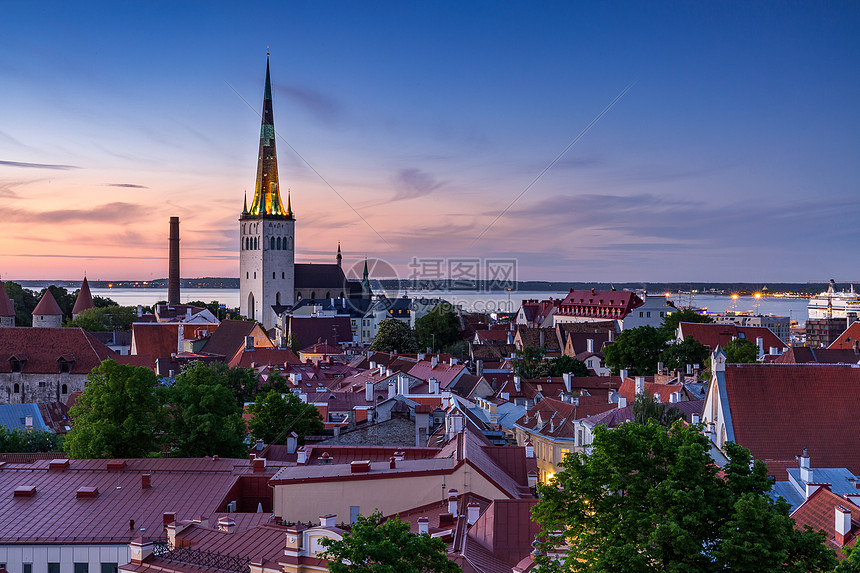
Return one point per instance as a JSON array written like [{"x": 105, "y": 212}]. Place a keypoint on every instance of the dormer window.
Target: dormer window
[
  {"x": 66, "y": 363},
  {"x": 15, "y": 364}
]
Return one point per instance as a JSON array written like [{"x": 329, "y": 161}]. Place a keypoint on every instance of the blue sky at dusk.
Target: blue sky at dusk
[{"x": 731, "y": 157}]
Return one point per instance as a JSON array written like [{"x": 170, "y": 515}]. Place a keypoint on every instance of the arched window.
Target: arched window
[
  {"x": 313, "y": 294},
  {"x": 299, "y": 295},
  {"x": 283, "y": 275},
  {"x": 289, "y": 243},
  {"x": 17, "y": 388},
  {"x": 65, "y": 389},
  {"x": 257, "y": 243},
  {"x": 247, "y": 275},
  {"x": 272, "y": 244},
  {"x": 278, "y": 298},
  {"x": 255, "y": 274},
  {"x": 273, "y": 274},
  {"x": 278, "y": 244},
  {"x": 328, "y": 295}
]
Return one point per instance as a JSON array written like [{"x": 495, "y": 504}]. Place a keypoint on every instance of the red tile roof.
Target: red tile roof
[
  {"x": 805, "y": 354},
  {"x": 48, "y": 305},
  {"x": 713, "y": 335},
  {"x": 264, "y": 357},
  {"x": 779, "y": 409},
  {"x": 158, "y": 339},
  {"x": 506, "y": 529},
  {"x": 322, "y": 348},
  {"x": 6, "y": 306},
  {"x": 628, "y": 389},
  {"x": 40, "y": 349},
  {"x": 84, "y": 300},
  {"x": 847, "y": 339},
  {"x": 819, "y": 512},
  {"x": 310, "y": 330},
  {"x": 443, "y": 372},
  {"x": 554, "y": 418},
  {"x": 229, "y": 337}
]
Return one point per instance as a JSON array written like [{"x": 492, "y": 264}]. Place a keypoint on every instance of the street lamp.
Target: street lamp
[{"x": 757, "y": 300}]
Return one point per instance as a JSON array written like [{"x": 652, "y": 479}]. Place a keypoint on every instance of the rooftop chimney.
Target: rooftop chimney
[
  {"x": 695, "y": 419},
  {"x": 473, "y": 510},
  {"x": 622, "y": 402},
  {"x": 168, "y": 517},
  {"x": 327, "y": 520},
  {"x": 434, "y": 386},
  {"x": 805, "y": 470},
  {"x": 517, "y": 383},
  {"x": 301, "y": 455},
  {"x": 173, "y": 263},
  {"x": 358, "y": 467},
  {"x": 226, "y": 524},
  {"x": 368, "y": 391},
  {"x": 145, "y": 481},
  {"x": 423, "y": 525},
  {"x": 567, "y": 383},
  {"x": 623, "y": 374},
  {"x": 452, "y": 501},
  {"x": 759, "y": 341},
  {"x": 640, "y": 385},
  {"x": 843, "y": 524},
  {"x": 260, "y": 445},
  {"x": 392, "y": 389},
  {"x": 589, "y": 345}
]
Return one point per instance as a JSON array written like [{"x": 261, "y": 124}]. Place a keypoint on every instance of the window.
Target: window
[
  {"x": 108, "y": 567},
  {"x": 255, "y": 274},
  {"x": 17, "y": 388},
  {"x": 53, "y": 568},
  {"x": 16, "y": 364},
  {"x": 648, "y": 314},
  {"x": 26, "y": 568},
  {"x": 272, "y": 244},
  {"x": 641, "y": 314},
  {"x": 273, "y": 275},
  {"x": 283, "y": 275},
  {"x": 65, "y": 389},
  {"x": 247, "y": 275},
  {"x": 82, "y": 567}
]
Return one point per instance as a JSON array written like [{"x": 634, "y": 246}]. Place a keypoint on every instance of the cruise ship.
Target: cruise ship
[{"x": 833, "y": 304}]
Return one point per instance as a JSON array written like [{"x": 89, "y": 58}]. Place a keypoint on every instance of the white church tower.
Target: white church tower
[{"x": 266, "y": 233}]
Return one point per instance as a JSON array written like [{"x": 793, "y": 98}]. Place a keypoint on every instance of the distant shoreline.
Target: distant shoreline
[{"x": 717, "y": 289}]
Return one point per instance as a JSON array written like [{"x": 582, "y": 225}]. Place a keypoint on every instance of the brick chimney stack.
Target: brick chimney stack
[{"x": 173, "y": 263}]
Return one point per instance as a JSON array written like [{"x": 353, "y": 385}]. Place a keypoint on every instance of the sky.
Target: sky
[{"x": 586, "y": 141}]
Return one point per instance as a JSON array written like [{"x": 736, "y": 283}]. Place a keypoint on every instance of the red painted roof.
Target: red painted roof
[
  {"x": 310, "y": 330},
  {"x": 819, "y": 512},
  {"x": 600, "y": 304},
  {"x": 47, "y": 306},
  {"x": 713, "y": 335},
  {"x": 779, "y": 409},
  {"x": 322, "y": 348},
  {"x": 189, "y": 487},
  {"x": 554, "y": 418},
  {"x": 6, "y": 306},
  {"x": 805, "y": 354},
  {"x": 443, "y": 372},
  {"x": 40, "y": 349},
  {"x": 85, "y": 298}
]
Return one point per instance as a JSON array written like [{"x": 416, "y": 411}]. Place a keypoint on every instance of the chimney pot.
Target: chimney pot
[
  {"x": 145, "y": 481},
  {"x": 843, "y": 524},
  {"x": 327, "y": 520},
  {"x": 473, "y": 510}
]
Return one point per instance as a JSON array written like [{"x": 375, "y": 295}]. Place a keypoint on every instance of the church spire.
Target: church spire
[
  {"x": 339, "y": 256},
  {"x": 267, "y": 198}
]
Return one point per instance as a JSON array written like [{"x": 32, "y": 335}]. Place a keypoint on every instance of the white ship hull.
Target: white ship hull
[{"x": 832, "y": 304}]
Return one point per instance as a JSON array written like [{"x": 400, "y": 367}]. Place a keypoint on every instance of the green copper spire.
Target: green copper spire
[
  {"x": 267, "y": 199},
  {"x": 365, "y": 279}
]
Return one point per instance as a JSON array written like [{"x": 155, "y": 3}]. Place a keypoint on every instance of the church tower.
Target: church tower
[{"x": 266, "y": 233}]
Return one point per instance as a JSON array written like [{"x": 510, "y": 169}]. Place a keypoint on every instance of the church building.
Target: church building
[{"x": 270, "y": 281}]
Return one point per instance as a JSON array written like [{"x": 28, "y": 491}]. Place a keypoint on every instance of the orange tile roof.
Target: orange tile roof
[{"x": 847, "y": 339}]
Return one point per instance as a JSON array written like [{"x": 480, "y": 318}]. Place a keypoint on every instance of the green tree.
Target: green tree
[
  {"x": 741, "y": 350},
  {"x": 564, "y": 364},
  {"x": 276, "y": 415},
  {"x": 118, "y": 414},
  {"x": 24, "y": 301},
  {"x": 373, "y": 545},
  {"x": 852, "y": 563},
  {"x": 439, "y": 328},
  {"x": 100, "y": 301},
  {"x": 671, "y": 320},
  {"x": 275, "y": 382},
  {"x": 20, "y": 440},
  {"x": 105, "y": 318},
  {"x": 690, "y": 351},
  {"x": 646, "y": 408},
  {"x": 529, "y": 362},
  {"x": 204, "y": 417},
  {"x": 394, "y": 336},
  {"x": 650, "y": 498},
  {"x": 242, "y": 382},
  {"x": 637, "y": 349}
]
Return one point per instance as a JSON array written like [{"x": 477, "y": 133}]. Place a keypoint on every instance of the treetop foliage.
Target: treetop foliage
[
  {"x": 394, "y": 336},
  {"x": 376, "y": 545},
  {"x": 650, "y": 498}
]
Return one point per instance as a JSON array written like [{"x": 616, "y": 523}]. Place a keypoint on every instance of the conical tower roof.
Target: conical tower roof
[
  {"x": 84, "y": 300},
  {"x": 48, "y": 306},
  {"x": 6, "y": 306},
  {"x": 267, "y": 197}
]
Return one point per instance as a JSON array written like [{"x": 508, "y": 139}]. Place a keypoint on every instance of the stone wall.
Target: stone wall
[{"x": 39, "y": 388}]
